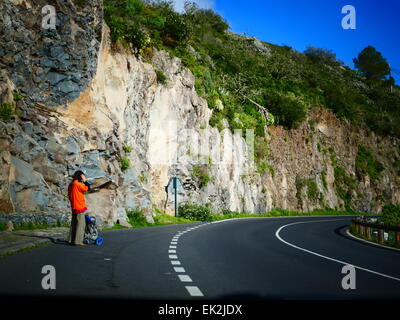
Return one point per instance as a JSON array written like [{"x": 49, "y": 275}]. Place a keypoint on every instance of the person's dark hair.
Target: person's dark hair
[{"x": 78, "y": 176}]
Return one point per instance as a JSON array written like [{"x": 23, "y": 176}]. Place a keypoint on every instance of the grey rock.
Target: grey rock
[
  {"x": 67, "y": 87},
  {"x": 55, "y": 78},
  {"x": 72, "y": 146},
  {"x": 91, "y": 165}
]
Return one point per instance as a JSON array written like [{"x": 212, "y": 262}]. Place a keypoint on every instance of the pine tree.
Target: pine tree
[{"x": 372, "y": 64}]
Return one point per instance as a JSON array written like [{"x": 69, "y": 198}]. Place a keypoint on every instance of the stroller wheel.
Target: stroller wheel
[
  {"x": 99, "y": 241},
  {"x": 86, "y": 241}
]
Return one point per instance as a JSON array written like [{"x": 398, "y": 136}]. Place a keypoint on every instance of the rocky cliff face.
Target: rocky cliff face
[{"x": 118, "y": 110}]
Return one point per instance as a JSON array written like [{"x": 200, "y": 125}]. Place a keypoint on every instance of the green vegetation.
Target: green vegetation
[
  {"x": 391, "y": 241},
  {"x": 34, "y": 225},
  {"x": 7, "y": 111},
  {"x": 162, "y": 218},
  {"x": 143, "y": 177},
  {"x": 372, "y": 64},
  {"x": 125, "y": 163},
  {"x": 127, "y": 149},
  {"x": 251, "y": 87},
  {"x": 344, "y": 186},
  {"x": 36, "y": 246},
  {"x": 397, "y": 165},
  {"x": 161, "y": 77},
  {"x": 239, "y": 81},
  {"x": 137, "y": 219},
  {"x": 323, "y": 177},
  {"x": 367, "y": 164},
  {"x": 17, "y": 96},
  {"x": 200, "y": 175},
  {"x": 195, "y": 212},
  {"x": 80, "y": 2},
  {"x": 391, "y": 215},
  {"x": 3, "y": 226},
  {"x": 320, "y": 55},
  {"x": 278, "y": 212},
  {"x": 312, "y": 189},
  {"x": 261, "y": 153},
  {"x": 189, "y": 213}
]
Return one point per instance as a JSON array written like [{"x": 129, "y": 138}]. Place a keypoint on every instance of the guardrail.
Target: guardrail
[{"x": 377, "y": 231}]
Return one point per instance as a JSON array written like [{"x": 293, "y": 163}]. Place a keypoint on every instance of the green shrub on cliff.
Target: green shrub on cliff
[
  {"x": 200, "y": 175},
  {"x": 161, "y": 77},
  {"x": 195, "y": 212},
  {"x": 367, "y": 164},
  {"x": 7, "y": 111},
  {"x": 391, "y": 215},
  {"x": 234, "y": 74},
  {"x": 125, "y": 163}
]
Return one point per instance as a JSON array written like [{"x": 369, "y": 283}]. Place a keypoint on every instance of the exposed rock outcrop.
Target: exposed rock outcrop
[{"x": 119, "y": 112}]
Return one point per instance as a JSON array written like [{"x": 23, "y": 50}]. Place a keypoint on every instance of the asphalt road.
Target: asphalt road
[{"x": 267, "y": 259}]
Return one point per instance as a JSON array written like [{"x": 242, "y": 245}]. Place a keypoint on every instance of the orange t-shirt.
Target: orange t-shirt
[{"x": 76, "y": 191}]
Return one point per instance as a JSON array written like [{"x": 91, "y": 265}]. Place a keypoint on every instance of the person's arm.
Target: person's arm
[
  {"x": 87, "y": 184},
  {"x": 82, "y": 187}
]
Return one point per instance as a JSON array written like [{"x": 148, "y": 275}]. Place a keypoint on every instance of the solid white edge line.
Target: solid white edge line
[
  {"x": 325, "y": 257},
  {"x": 194, "y": 291},
  {"x": 369, "y": 242}
]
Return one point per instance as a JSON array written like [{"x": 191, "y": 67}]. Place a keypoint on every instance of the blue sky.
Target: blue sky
[{"x": 299, "y": 23}]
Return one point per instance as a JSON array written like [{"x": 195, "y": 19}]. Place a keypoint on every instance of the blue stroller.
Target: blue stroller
[{"x": 91, "y": 233}]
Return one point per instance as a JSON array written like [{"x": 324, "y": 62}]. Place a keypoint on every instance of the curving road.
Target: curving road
[{"x": 258, "y": 258}]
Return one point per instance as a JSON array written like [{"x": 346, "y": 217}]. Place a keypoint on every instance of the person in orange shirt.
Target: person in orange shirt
[{"x": 76, "y": 195}]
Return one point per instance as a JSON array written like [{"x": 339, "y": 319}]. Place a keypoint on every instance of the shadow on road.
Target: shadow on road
[{"x": 52, "y": 239}]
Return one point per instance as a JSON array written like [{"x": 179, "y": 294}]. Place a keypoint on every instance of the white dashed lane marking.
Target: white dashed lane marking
[
  {"x": 194, "y": 291},
  {"x": 183, "y": 277}
]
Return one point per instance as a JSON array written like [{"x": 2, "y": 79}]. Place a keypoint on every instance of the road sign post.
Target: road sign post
[{"x": 175, "y": 186}]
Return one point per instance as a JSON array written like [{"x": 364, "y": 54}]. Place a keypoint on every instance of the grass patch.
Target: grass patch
[
  {"x": 162, "y": 218},
  {"x": 278, "y": 212},
  {"x": 137, "y": 219},
  {"x": 197, "y": 213},
  {"x": 36, "y": 246},
  {"x": 34, "y": 225}
]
